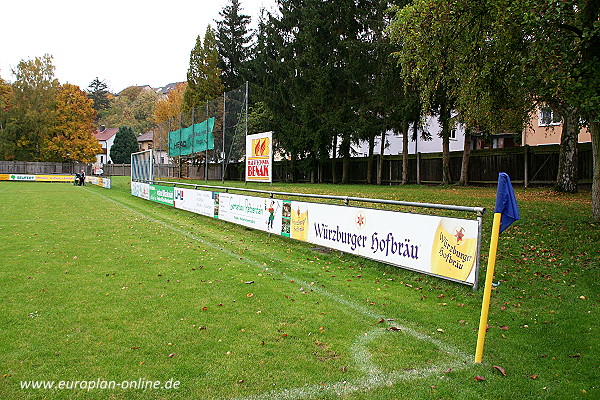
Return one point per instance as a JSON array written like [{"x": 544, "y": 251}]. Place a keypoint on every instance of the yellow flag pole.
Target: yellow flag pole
[{"x": 487, "y": 292}]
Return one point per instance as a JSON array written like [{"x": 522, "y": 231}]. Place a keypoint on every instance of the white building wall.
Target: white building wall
[{"x": 394, "y": 141}]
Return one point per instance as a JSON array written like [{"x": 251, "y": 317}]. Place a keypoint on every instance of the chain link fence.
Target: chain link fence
[{"x": 230, "y": 113}]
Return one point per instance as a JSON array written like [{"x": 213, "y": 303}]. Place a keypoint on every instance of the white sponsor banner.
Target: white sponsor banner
[
  {"x": 196, "y": 201},
  {"x": 140, "y": 190},
  {"x": 22, "y": 177},
  {"x": 96, "y": 180},
  {"x": 259, "y": 157},
  {"x": 434, "y": 245},
  {"x": 254, "y": 212},
  {"x": 441, "y": 246}
]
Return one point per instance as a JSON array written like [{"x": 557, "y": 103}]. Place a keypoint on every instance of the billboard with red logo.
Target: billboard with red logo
[{"x": 259, "y": 157}]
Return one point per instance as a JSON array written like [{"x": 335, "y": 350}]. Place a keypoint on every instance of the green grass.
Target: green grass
[{"x": 98, "y": 284}]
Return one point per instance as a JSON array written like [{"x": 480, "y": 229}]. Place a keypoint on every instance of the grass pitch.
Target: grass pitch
[{"x": 100, "y": 286}]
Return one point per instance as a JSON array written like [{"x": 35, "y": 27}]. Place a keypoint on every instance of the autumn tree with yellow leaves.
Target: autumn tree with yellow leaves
[{"x": 72, "y": 135}]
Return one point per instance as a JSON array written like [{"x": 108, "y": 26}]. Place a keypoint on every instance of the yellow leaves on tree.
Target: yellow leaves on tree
[
  {"x": 72, "y": 137},
  {"x": 171, "y": 105},
  {"x": 6, "y": 95},
  {"x": 166, "y": 108}
]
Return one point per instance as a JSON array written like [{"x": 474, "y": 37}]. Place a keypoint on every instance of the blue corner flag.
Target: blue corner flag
[{"x": 506, "y": 202}]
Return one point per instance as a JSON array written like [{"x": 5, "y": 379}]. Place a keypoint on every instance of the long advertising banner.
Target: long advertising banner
[
  {"x": 36, "y": 178},
  {"x": 435, "y": 245}
]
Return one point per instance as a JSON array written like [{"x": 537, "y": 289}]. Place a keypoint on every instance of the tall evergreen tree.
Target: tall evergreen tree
[
  {"x": 204, "y": 75},
  {"x": 98, "y": 92},
  {"x": 234, "y": 43},
  {"x": 125, "y": 143},
  {"x": 305, "y": 52}
]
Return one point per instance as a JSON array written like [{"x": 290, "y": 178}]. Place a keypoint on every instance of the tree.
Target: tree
[
  {"x": 427, "y": 62},
  {"x": 304, "y": 55},
  {"x": 6, "y": 96},
  {"x": 134, "y": 107},
  {"x": 125, "y": 143},
  {"x": 30, "y": 119},
  {"x": 234, "y": 43},
  {"x": 72, "y": 138},
  {"x": 562, "y": 43},
  {"x": 507, "y": 56},
  {"x": 169, "y": 107},
  {"x": 97, "y": 91},
  {"x": 204, "y": 75}
]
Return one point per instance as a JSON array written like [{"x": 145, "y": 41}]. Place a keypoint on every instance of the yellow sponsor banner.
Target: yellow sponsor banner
[
  {"x": 454, "y": 250},
  {"x": 54, "y": 178},
  {"x": 4, "y": 177},
  {"x": 300, "y": 221}
]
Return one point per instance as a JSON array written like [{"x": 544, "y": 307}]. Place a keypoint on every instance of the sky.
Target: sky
[{"x": 122, "y": 42}]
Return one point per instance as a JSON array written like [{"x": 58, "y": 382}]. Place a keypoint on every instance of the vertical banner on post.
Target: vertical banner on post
[{"x": 259, "y": 157}]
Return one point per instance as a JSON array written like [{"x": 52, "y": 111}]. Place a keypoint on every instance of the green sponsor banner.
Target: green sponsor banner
[
  {"x": 162, "y": 194},
  {"x": 193, "y": 139}
]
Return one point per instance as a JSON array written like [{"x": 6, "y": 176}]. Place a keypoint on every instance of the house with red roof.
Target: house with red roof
[{"x": 106, "y": 137}]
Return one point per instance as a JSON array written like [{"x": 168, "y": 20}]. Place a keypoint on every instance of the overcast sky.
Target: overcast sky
[{"x": 122, "y": 42}]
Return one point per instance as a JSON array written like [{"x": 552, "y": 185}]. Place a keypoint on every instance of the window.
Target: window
[
  {"x": 547, "y": 117},
  {"x": 452, "y": 134}
]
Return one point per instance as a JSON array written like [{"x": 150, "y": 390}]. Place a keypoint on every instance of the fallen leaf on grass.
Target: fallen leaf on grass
[
  {"x": 533, "y": 376},
  {"x": 448, "y": 371},
  {"x": 479, "y": 378},
  {"x": 171, "y": 355},
  {"x": 393, "y": 328},
  {"x": 502, "y": 370}
]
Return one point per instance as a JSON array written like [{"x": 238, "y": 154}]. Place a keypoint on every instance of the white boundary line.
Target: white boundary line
[{"x": 373, "y": 378}]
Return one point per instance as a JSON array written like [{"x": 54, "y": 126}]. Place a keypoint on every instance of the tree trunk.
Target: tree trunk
[
  {"x": 445, "y": 123},
  {"x": 334, "y": 160},
  {"x": 293, "y": 163},
  {"x": 345, "y": 153},
  {"x": 464, "y": 168},
  {"x": 566, "y": 179},
  {"x": 380, "y": 159},
  {"x": 595, "y": 131},
  {"x": 405, "y": 127},
  {"x": 370, "y": 159}
]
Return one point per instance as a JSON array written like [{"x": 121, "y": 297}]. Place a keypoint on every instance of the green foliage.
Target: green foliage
[
  {"x": 233, "y": 41},
  {"x": 134, "y": 107},
  {"x": 125, "y": 143},
  {"x": 6, "y": 96},
  {"x": 204, "y": 75},
  {"x": 29, "y": 122},
  {"x": 97, "y": 91}
]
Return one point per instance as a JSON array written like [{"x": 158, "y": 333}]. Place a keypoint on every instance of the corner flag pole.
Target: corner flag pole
[
  {"x": 505, "y": 213},
  {"x": 487, "y": 292}
]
